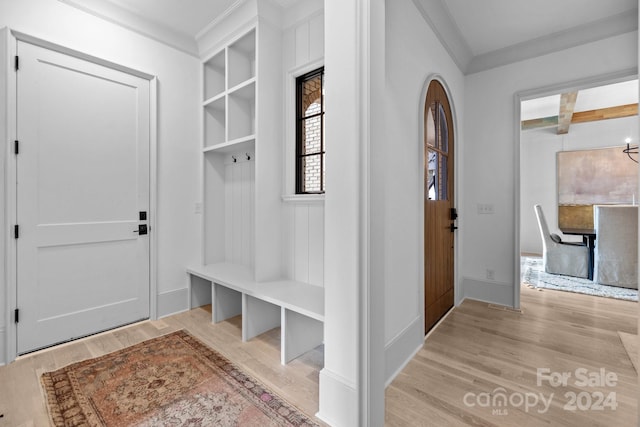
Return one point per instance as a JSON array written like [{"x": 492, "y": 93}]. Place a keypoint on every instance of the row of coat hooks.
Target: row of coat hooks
[{"x": 235, "y": 159}]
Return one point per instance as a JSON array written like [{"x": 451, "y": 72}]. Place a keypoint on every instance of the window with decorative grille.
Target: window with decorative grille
[{"x": 310, "y": 150}]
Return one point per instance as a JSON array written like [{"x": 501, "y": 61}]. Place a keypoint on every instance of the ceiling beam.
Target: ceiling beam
[
  {"x": 545, "y": 122},
  {"x": 583, "y": 116},
  {"x": 606, "y": 113},
  {"x": 567, "y": 105}
]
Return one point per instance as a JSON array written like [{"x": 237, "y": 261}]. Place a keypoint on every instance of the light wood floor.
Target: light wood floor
[
  {"x": 475, "y": 349},
  {"x": 478, "y": 349},
  {"x": 21, "y": 399}
]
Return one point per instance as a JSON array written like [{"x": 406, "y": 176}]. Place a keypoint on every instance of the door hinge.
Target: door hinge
[
  {"x": 16, "y": 147},
  {"x": 16, "y": 231},
  {"x": 16, "y": 315},
  {"x": 17, "y": 63}
]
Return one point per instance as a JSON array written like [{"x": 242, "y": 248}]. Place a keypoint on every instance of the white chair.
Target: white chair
[
  {"x": 616, "y": 251},
  {"x": 568, "y": 259}
]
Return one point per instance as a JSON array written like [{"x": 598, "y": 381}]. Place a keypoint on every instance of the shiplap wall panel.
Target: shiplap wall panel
[
  {"x": 288, "y": 267},
  {"x": 214, "y": 205},
  {"x": 316, "y": 245},
  {"x": 240, "y": 212},
  {"x": 303, "y": 224},
  {"x": 247, "y": 209},
  {"x": 301, "y": 242}
]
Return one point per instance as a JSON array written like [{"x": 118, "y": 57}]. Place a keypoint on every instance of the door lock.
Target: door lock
[
  {"x": 142, "y": 229},
  {"x": 452, "y": 227}
]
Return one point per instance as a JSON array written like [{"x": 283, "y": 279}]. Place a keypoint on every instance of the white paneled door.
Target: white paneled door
[{"x": 82, "y": 184}]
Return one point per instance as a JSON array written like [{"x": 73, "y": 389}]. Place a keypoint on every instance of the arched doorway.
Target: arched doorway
[{"x": 439, "y": 210}]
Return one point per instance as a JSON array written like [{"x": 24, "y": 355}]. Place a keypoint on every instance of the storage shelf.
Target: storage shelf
[
  {"x": 242, "y": 111},
  {"x": 215, "y": 122},
  {"x": 246, "y": 143},
  {"x": 214, "y": 75},
  {"x": 242, "y": 59},
  {"x": 238, "y": 88},
  {"x": 213, "y": 99}
]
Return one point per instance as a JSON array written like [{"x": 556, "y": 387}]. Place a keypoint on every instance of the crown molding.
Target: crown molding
[
  {"x": 219, "y": 19},
  {"x": 136, "y": 23},
  {"x": 612, "y": 26},
  {"x": 437, "y": 16}
]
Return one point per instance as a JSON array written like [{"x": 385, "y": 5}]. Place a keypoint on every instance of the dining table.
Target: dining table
[{"x": 589, "y": 239}]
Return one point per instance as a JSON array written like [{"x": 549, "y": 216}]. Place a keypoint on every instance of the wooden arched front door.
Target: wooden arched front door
[{"x": 439, "y": 211}]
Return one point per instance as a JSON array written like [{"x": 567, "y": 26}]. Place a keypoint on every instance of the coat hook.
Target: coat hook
[
  {"x": 234, "y": 159},
  {"x": 248, "y": 156}
]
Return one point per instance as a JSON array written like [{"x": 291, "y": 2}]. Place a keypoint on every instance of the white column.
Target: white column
[{"x": 351, "y": 393}]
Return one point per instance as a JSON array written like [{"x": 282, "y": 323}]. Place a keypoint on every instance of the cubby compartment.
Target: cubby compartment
[
  {"x": 215, "y": 122},
  {"x": 214, "y": 76},
  {"x": 242, "y": 112},
  {"x": 230, "y": 206},
  {"x": 242, "y": 59}
]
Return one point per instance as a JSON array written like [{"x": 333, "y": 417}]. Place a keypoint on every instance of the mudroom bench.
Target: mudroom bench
[{"x": 296, "y": 307}]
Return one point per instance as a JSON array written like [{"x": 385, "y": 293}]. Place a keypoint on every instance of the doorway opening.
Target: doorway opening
[{"x": 571, "y": 161}]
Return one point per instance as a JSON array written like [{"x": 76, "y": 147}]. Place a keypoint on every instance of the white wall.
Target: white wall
[
  {"x": 178, "y": 131},
  {"x": 413, "y": 54},
  {"x": 538, "y": 182},
  {"x": 4, "y": 318},
  {"x": 303, "y": 222},
  {"x": 490, "y": 164}
]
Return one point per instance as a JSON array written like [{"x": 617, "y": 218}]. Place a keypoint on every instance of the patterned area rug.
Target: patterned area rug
[
  {"x": 535, "y": 276},
  {"x": 172, "y": 380}
]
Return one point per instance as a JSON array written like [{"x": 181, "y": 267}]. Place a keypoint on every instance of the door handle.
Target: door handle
[
  {"x": 452, "y": 227},
  {"x": 142, "y": 229}
]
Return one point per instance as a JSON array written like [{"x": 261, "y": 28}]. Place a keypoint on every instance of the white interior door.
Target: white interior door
[{"x": 82, "y": 180}]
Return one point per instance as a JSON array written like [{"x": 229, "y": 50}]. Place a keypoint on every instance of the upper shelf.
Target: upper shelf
[
  {"x": 241, "y": 59},
  {"x": 214, "y": 75},
  {"x": 230, "y": 67}
]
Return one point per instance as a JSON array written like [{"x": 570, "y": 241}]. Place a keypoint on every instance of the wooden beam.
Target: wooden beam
[
  {"x": 584, "y": 116},
  {"x": 545, "y": 122},
  {"x": 606, "y": 113},
  {"x": 567, "y": 105}
]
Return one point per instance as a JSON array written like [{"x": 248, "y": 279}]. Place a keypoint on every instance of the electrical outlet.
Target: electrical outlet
[
  {"x": 491, "y": 274},
  {"x": 198, "y": 208}
]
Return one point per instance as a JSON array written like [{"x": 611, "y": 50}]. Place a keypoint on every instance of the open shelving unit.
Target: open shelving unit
[
  {"x": 229, "y": 109},
  {"x": 229, "y": 98},
  {"x": 242, "y": 208}
]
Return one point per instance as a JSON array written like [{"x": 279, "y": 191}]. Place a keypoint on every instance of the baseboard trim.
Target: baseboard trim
[
  {"x": 402, "y": 348},
  {"x": 173, "y": 302},
  {"x": 338, "y": 400},
  {"x": 3, "y": 350},
  {"x": 499, "y": 293}
]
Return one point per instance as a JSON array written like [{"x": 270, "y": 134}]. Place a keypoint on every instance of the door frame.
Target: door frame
[
  {"x": 553, "y": 89},
  {"x": 10, "y": 177},
  {"x": 457, "y": 178}
]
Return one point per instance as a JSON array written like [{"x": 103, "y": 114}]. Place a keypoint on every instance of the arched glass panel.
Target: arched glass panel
[
  {"x": 437, "y": 146},
  {"x": 444, "y": 130}
]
